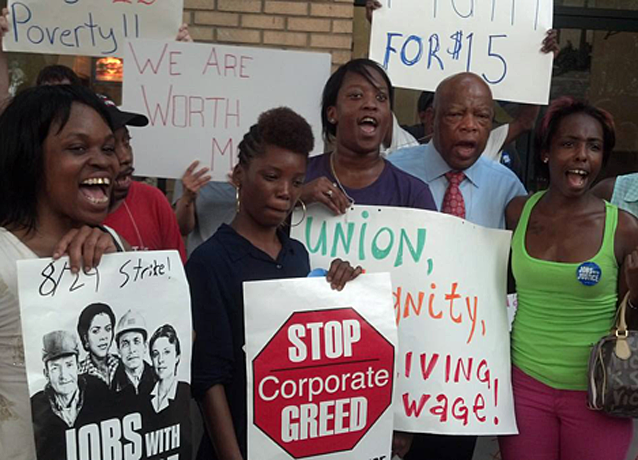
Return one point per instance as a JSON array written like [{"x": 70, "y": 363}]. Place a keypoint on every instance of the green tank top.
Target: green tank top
[{"x": 563, "y": 308}]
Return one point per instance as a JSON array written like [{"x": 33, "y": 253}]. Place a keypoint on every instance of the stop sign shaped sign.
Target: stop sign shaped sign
[{"x": 322, "y": 381}]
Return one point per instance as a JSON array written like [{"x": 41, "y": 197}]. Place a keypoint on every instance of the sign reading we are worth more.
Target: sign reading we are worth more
[
  {"x": 201, "y": 99},
  {"x": 107, "y": 355},
  {"x": 321, "y": 368},
  {"x": 449, "y": 285},
  {"x": 421, "y": 42},
  {"x": 88, "y": 27}
]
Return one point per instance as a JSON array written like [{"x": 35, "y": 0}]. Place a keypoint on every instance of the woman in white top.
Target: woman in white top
[{"x": 57, "y": 166}]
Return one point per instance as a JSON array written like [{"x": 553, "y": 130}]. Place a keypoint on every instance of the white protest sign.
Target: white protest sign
[
  {"x": 84, "y": 335},
  {"x": 320, "y": 366},
  {"x": 201, "y": 99},
  {"x": 449, "y": 282},
  {"x": 88, "y": 27},
  {"x": 421, "y": 42}
]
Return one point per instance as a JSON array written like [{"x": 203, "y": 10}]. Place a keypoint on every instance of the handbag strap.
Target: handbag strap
[{"x": 622, "y": 349}]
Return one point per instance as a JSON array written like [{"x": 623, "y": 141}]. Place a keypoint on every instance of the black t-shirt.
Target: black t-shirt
[{"x": 216, "y": 272}]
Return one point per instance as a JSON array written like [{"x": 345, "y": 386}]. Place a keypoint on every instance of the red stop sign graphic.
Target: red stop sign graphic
[{"x": 322, "y": 381}]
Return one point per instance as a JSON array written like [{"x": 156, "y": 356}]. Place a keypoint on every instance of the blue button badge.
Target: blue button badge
[{"x": 588, "y": 273}]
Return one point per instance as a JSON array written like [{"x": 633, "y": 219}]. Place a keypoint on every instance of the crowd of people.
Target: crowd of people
[{"x": 67, "y": 188}]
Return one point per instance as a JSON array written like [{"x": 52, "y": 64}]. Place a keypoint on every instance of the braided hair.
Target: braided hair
[{"x": 281, "y": 127}]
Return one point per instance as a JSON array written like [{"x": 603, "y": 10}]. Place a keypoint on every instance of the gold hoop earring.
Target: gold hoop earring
[
  {"x": 237, "y": 201},
  {"x": 303, "y": 209}
]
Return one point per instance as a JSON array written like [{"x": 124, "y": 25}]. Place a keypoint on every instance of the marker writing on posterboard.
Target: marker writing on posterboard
[
  {"x": 437, "y": 52},
  {"x": 57, "y": 275},
  {"x": 196, "y": 110},
  {"x": 97, "y": 29},
  {"x": 451, "y": 305},
  {"x": 450, "y": 370},
  {"x": 336, "y": 238}
]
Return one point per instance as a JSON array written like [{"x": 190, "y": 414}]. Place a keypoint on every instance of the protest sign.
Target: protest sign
[
  {"x": 449, "y": 284},
  {"x": 85, "y": 334},
  {"x": 201, "y": 99},
  {"x": 320, "y": 366},
  {"x": 421, "y": 42},
  {"x": 88, "y": 27}
]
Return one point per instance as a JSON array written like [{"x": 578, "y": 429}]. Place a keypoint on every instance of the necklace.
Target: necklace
[{"x": 334, "y": 174}]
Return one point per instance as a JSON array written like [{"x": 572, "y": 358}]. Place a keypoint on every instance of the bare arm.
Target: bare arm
[
  {"x": 219, "y": 423},
  {"x": 605, "y": 188},
  {"x": 185, "y": 207}
]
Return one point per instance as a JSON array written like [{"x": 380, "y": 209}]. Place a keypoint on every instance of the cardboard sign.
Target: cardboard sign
[
  {"x": 85, "y": 335},
  {"x": 201, "y": 99},
  {"x": 88, "y": 27},
  {"x": 320, "y": 366},
  {"x": 449, "y": 284},
  {"x": 421, "y": 42}
]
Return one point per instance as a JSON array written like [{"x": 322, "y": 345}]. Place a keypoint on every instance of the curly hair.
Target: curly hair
[
  {"x": 281, "y": 127},
  {"x": 363, "y": 67},
  {"x": 561, "y": 108}
]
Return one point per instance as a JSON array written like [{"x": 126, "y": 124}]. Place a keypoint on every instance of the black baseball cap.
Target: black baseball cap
[{"x": 120, "y": 118}]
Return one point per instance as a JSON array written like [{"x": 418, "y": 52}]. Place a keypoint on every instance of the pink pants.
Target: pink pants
[{"x": 557, "y": 425}]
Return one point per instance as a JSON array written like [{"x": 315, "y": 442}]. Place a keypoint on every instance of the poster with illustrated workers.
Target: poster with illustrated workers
[
  {"x": 449, "y": 296},
  {"x": 108, "y": 357},
  {"x": 321, "y": 368}
]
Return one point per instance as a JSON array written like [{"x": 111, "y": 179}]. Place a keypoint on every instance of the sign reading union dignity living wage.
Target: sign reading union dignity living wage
[
  {"x": 448, "y": 279},
  {"x": 320, "y": 366},
  {"x": 88, "y": 27},
  {"x": 107, "y": 357},
  {"x": 421, "y": 42}
]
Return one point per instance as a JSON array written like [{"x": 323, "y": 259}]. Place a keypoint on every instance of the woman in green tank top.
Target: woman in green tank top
[{"x": 573, "y": 257}]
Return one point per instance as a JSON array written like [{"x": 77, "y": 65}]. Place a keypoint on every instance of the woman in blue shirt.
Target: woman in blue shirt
[{"x": 273, "y": 157}]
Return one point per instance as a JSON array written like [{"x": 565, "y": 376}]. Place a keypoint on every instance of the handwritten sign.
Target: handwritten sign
[
  {"x": 320, "y": 366},
  {"x": 88, "y": 27},
  {"x": 421, "y": 42},
  {"x": 449, "y": 284},
  {"x": 201, "y": 99},
  {"x": 107, "y": 356}
]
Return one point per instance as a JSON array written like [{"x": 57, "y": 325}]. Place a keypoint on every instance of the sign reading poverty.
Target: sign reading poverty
[
  {"x": 201, "y": 99},
  {"x": 449, "y": 286},
  {"x": 88, "y": 27},
  {"x": 320, "y": 366},
  {"x": 421, "y": 42},
  {"x": 107, "y": 357}
]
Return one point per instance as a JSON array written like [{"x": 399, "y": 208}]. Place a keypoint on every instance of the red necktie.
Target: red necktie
[{"x": 453, "y": 202}]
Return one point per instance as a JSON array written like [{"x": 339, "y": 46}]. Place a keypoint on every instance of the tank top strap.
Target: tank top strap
[
  {"x": 521, "y": 228},
  {"x": 609, "y": 236}
]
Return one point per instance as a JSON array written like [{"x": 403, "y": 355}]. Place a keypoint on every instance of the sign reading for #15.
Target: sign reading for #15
[
  {"x": 88, "y": 27},
  {"x": 421, "y": 42}
]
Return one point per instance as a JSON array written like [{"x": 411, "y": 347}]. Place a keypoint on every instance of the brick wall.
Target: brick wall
[{"x": 312, "y": 25}]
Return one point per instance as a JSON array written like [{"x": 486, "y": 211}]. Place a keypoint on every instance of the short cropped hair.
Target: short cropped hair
[
  {"x": 56, "y": 74},
  {"x": 281, "y": 127},
  {"x": 363, "y": 67},
  {"x": 561, "y": 108},
  {"x": 169, "y": 333},
  {"x": 24, "y": 126},
  {"x": 86, "y": 317}
]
